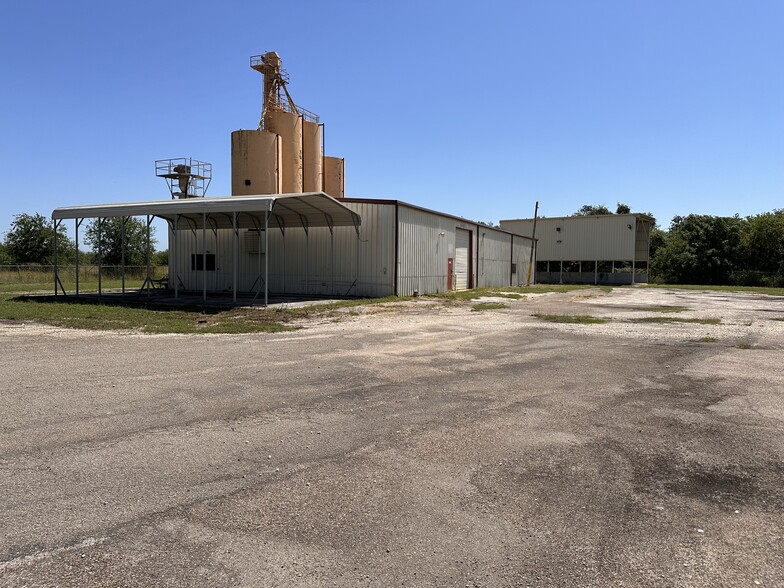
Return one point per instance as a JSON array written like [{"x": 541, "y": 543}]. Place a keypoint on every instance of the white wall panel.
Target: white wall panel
[{"x": 589, "y": 238}]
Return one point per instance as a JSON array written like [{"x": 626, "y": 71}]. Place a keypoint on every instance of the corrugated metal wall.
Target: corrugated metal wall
[
  {"x": 521, "y": 258},
  {"x": 587, "y": 238},
  {"x": 318, "y": 263},
  {"x": 495, "y": 258},
  {"x": 377, "y": 248},
  {"x": 427, "y": 240}
]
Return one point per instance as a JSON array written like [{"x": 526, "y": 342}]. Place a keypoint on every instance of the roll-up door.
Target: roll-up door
[{"x": 462, "y": 259}]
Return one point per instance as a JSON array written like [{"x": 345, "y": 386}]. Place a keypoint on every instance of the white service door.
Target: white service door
[{"x": 462, "y": 265}]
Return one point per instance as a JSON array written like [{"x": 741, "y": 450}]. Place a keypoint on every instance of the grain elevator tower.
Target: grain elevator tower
[{"x": 285, "y": 154}]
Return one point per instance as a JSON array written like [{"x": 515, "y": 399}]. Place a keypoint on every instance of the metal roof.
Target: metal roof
[
  {"x": 641, "y": 215},
  {"x": 311, "y": 209}
]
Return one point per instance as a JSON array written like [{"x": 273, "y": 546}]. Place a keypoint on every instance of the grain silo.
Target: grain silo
[
  {"x": 285, "y": 155},
  {"x": 288, "y": 126},
  {"x": 312, "y": 156},
  {"x": 334, "y": 177},
  {"x": 255, "y": 163}
]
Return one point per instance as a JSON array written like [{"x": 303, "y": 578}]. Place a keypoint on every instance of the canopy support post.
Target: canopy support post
[
  {"x": 236, "y": 256},
  {"x": 266, "y": 258},
  {"x": 77, "y": 222},
  {"x": 173, "y": 257},
  {"x": 122, "y": 251},
  {"x": 204, "y": 256},
  {"x": 100, "y": 258}
]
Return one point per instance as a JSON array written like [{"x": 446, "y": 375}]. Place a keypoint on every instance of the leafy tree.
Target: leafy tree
[
  {"x": 31, "y": 240},
  {"x": 5, "y": 256},
  {"x": 699, "y": 249},
  {"x": 161, "y": 257},
  {"x": 110, "y": 240},
  {"x": 622, "y": 209},
  {"x": 763, "y": 242},
  {"x": 591, "y": 210},
  {"x": 658, "y": 241}
]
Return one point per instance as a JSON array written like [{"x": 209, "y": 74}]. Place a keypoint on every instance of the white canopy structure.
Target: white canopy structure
[{"x": 305, "y": 210}]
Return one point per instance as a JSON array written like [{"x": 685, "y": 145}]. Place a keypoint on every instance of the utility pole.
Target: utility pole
[{"x": 533, "y": 244}]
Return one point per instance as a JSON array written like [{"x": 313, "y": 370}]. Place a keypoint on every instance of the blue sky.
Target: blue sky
[{"x": 475, "y": 109}]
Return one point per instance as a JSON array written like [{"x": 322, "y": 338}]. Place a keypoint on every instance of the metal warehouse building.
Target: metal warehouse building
[
  {"x": 395, "y": 249},
  {"x": 310, "y": 244},
  {"x": 599, "y": 249}
]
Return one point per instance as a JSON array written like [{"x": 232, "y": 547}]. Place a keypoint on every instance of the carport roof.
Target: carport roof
[{"x": 311, "y": 209}]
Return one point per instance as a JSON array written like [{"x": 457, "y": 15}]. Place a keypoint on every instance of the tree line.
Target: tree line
[
  {"x": 31, "y": 239},
  {"x": 714, "y": 250}
]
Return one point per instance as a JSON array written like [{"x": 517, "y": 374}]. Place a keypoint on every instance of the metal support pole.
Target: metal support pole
[
  {"x": 648, "y": 256},
  {"x": 122, "y": 252},
  {"x": 596, "y": 272},
  {"x": 236, "y": 256},
  {"x": 77, "y": 222},
  {"x": 266, "y": 258},
  {"x": 332, "y": 255},
  {"x": 533, "y": 240},
  {"x": 54, "y": 254},
  {"x": 100, "y": 257},
  {"x": 204, "y": 255},
  {"x": 633, "y": 268},
  {"x": 283, "y": 251},
  {"x": 173, "y": 258},
  {"x": 258, "y": 264},
  {"x": 307, "y": 264},
  {"x": 148, "y": 281}
]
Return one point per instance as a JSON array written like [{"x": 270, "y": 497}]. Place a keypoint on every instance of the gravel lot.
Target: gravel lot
[{"x": 409, "y": 444}]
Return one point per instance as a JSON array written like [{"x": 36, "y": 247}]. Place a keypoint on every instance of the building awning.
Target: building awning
[{"x": 312, "y": 209}]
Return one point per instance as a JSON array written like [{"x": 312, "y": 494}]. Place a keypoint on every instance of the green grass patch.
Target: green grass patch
[
  {"x": 147, "y": 316},
  {"x": 28, "y": 279},
  {"x": 708, "y": 340},
  {"x": 752, "y": 289},
  {"x": 743, "y": 345},
  {"x": 780, "y": 318},
  {"x": 675, "y": 319},
  {"x": 141, "y": 317},
  {"x": 581, "y": 319},
  {"x": 666, "y": 308},
  {"x": 488, "y": 306}
]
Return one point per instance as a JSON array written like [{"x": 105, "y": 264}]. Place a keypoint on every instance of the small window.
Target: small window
[{"x": 197, "y": 262}]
